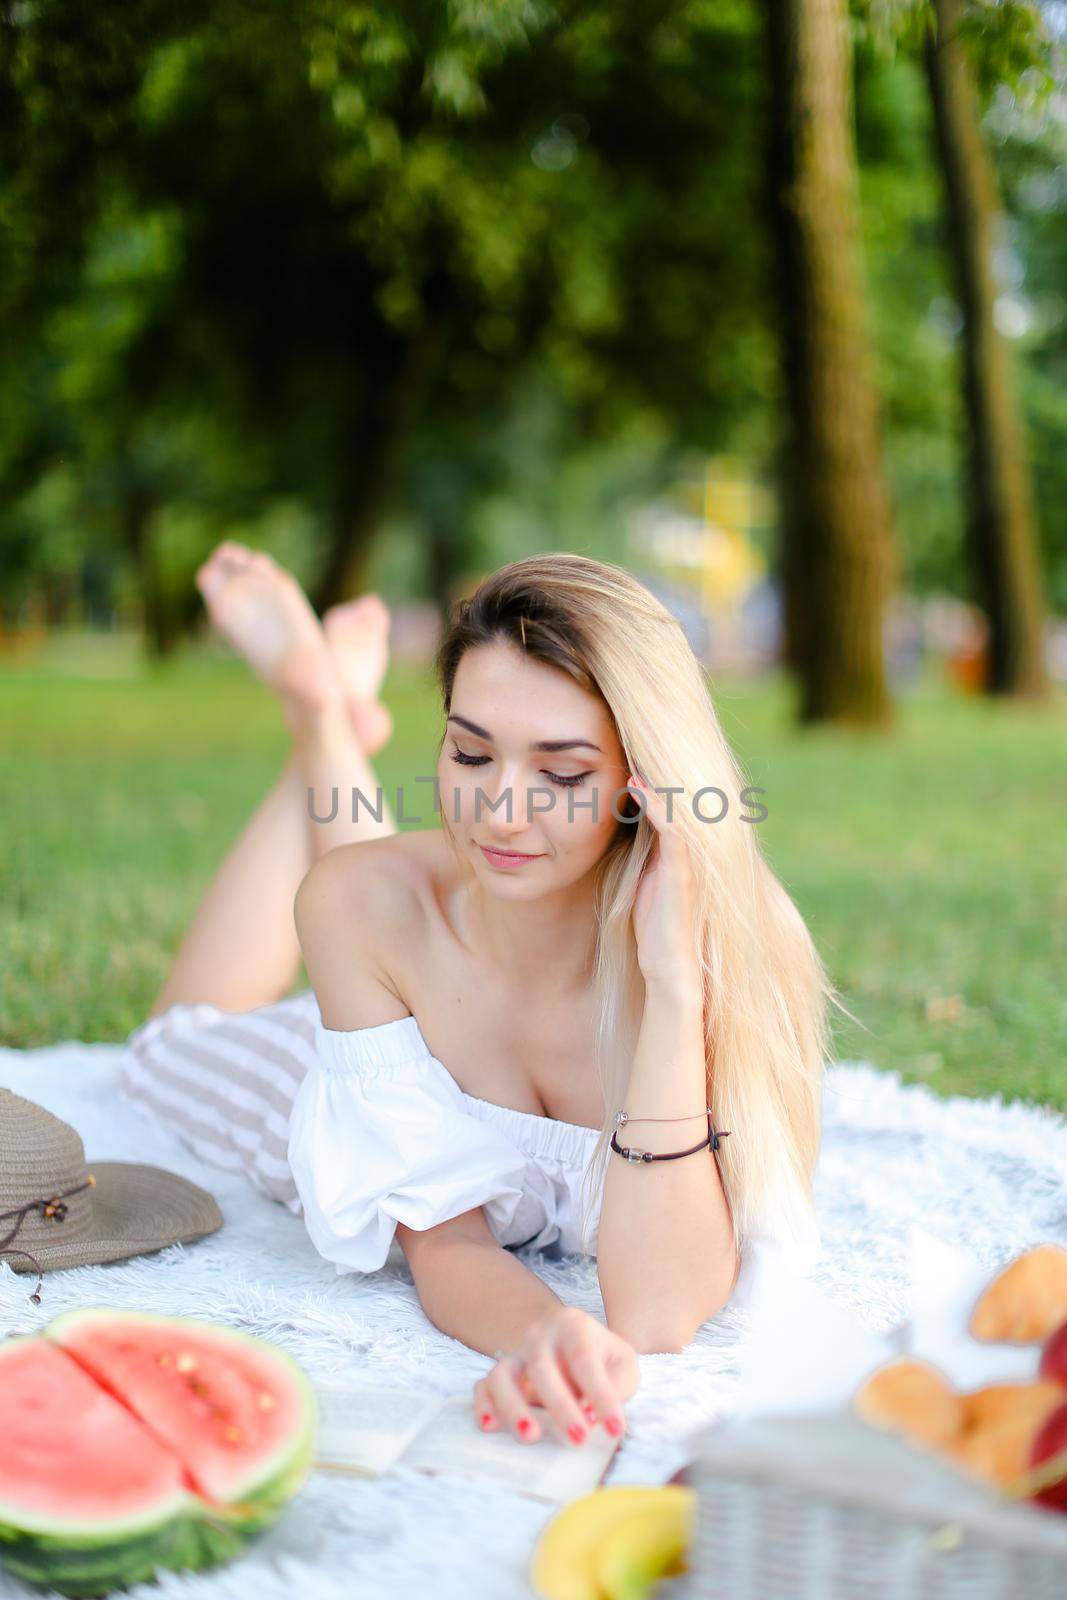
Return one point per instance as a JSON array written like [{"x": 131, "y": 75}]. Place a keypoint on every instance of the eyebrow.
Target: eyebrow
[{"x": 538, "y": 744}]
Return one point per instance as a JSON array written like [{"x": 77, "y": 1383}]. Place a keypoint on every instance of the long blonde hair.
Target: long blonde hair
[{"x": 766, "y": 992}]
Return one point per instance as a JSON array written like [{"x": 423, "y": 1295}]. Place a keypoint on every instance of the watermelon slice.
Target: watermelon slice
[
  {"x": 233, "y": 1409},
  {"x": 133, "y": 1442},
  {"x": 49, "y": 1411}
]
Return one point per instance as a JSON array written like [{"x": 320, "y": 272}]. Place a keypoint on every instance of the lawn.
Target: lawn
[{"x": 931, "y": 864}]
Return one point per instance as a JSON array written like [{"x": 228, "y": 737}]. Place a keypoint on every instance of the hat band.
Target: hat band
[{"x": 53, "y": 1206}]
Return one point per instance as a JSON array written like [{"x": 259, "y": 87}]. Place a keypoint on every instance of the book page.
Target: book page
[
  {"x": 366, "y": 1430},
  {"x": 451, "y": 1443}
]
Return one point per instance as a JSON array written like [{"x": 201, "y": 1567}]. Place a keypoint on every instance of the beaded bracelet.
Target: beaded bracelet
[{"x": 631, "y": 1154}]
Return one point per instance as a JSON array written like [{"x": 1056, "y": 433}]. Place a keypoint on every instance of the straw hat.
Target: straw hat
[{"x": 57, "y": 1212}]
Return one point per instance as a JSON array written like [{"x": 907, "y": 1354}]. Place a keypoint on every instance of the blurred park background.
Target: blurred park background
[{"x": 766, "y": 302}]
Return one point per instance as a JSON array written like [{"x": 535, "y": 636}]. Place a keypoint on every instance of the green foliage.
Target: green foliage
[
  {"x": 1010, "y": 45},
  {"x": 917, "y": 323},
  {"x": 1009, "y": 41},
  {"x": 1036, "y": 198},
  {"x": 369, "y": 224},
  {"x": 316, "y": 265},
  {"x": 910, "y": 301}
]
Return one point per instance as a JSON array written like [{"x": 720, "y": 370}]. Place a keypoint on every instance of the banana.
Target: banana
[
  {"x": 646, "y": 1546},
  {"x": 562, "y": 1566}
]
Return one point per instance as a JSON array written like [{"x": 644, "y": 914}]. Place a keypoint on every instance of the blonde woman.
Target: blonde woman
[{"x": 591, "y": 930}]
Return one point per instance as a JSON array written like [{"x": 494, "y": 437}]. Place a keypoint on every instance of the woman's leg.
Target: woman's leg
[{"x": 241, "y": 949}]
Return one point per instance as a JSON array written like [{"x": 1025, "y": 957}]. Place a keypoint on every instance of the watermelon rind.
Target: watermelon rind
[
  {"x": 17, "y": 1520},
  {"x": 195, "y": 1542},
  {"x": 291, "y": 1459}
]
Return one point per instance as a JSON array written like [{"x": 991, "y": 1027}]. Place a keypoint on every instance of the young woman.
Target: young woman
[{"x": 591, "y": 930}]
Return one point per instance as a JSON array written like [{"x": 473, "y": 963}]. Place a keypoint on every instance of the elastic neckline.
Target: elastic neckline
[
  {"x": 570, "y": 1143},
  {"x": 551, "y": 1135}
]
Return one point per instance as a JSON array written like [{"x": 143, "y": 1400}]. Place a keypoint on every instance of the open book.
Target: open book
[{"x": 368, "y": 1431}]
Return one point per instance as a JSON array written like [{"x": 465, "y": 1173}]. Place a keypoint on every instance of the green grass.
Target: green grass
[{"x": 931, "y": 863}]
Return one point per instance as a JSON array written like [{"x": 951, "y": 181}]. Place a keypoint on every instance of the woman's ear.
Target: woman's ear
[{"x": 627, "y": 808}]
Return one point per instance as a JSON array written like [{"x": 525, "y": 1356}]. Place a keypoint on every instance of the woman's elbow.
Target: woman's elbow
[{"x": 652, "y": 1333}]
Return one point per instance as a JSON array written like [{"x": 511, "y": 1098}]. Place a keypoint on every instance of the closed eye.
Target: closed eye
[{"x": 564, "y": 782}]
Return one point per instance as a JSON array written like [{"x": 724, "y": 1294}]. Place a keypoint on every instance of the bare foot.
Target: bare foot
[
  {"x": 265, "y": 615},
  {"x": 357, "y": 633}
]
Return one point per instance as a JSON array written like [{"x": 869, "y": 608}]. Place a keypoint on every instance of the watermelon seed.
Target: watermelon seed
[
  {"x": 164, "y": 1359},
  {"x": 186, "y": 1363},
  {"x": 265, "y": 1401},
  {"x": 234, "y": 1434}
]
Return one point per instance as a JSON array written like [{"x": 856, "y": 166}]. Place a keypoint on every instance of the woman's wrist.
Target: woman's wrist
[{"x": 682, "y": 987}]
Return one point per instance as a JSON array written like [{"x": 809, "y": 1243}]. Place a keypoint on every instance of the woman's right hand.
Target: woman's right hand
[{"x": 568, "y": 1362}]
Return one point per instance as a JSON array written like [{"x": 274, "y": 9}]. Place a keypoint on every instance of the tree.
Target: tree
[
  {"x": 384, "y": 220},
  {"x": 838, "y": 561},
  {"x": 1000, "y": 522}
]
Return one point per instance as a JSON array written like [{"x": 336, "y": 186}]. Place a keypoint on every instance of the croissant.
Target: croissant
[
  {"x": 1027, "y": 1300},
  {"x": 1001, "y": 1423},
  {"x": 913, "y": 1398}
]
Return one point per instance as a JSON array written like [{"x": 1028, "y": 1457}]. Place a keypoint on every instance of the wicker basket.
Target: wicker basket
[{"x": 829, "y": 1508}]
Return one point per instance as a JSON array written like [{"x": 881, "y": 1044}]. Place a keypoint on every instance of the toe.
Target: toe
[
  {"x": 209, "y": 577},
  {"x": 213, "y": 560},
  {"x": 264, "y": 562},
  {"x": 368, "y": 611},
  {"x": 231, "y": 551}
]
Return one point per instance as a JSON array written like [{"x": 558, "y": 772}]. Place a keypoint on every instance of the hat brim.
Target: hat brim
[{"x": 136, "y": 1210}]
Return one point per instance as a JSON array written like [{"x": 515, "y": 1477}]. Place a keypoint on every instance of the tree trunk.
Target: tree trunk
[
  {"x": 58, "y": 593},
  {"x": 838, "y": 559},
  {"x": 1000, "y": 518},
  {"x": 159, "y": 633},
  {"x": 445, "y": 556},
  {"x": 399, "y": 378}
]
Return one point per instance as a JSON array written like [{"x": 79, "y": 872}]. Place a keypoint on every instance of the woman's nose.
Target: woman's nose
[{"x": 517, "y": 802}]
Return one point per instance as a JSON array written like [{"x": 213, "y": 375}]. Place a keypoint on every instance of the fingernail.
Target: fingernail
[
  {"x": 524, "y": 1425},
  {"x": 614, "y": 1426},
  {"x": 589, "y": 1412},
  {"x": 576, "y": 1433},
  {"x": 487, "y": 1418}
]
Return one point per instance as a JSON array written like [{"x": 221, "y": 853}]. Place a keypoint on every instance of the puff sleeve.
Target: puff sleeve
[{"x": 379, "y": 1134}]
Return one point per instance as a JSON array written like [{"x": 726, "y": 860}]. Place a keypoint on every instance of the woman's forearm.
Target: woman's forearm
[
  {"x": 665, "y": 1254},
  {"x": 478, "y": 1292}
]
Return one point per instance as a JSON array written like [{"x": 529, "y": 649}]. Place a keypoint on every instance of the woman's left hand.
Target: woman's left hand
[
  {"x": 570, "y": 1364},
  {"x": 664, "y": 903}
]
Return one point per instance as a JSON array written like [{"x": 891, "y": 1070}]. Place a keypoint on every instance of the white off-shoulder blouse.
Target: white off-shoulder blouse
[
  {"x": 360, "y": 1130},
  {"x": 381, "y": 1133}
]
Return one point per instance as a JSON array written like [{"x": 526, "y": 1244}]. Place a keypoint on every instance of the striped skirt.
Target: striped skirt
[{"x": 225, "y": 1081}]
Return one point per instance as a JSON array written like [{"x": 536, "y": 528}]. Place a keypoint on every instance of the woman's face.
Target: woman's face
[{"x": 560, "y": 818}]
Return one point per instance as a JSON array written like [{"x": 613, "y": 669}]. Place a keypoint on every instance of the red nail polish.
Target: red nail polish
[
  {"x": 487, "y": 1417},
  {"x": 614, "y": 1426},
  {"x": 589, "y": 1412},
  {"x": 576, "y": 1433},
  {"x": 524, "y": 1425}
]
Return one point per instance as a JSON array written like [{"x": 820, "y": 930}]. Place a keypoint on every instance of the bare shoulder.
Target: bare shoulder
[
  {"x": 391, "y": 875},
  {"x": 358, "y": 913}
]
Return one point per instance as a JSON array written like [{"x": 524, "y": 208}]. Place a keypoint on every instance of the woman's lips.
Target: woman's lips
[{"x": 504, "y": 858}]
